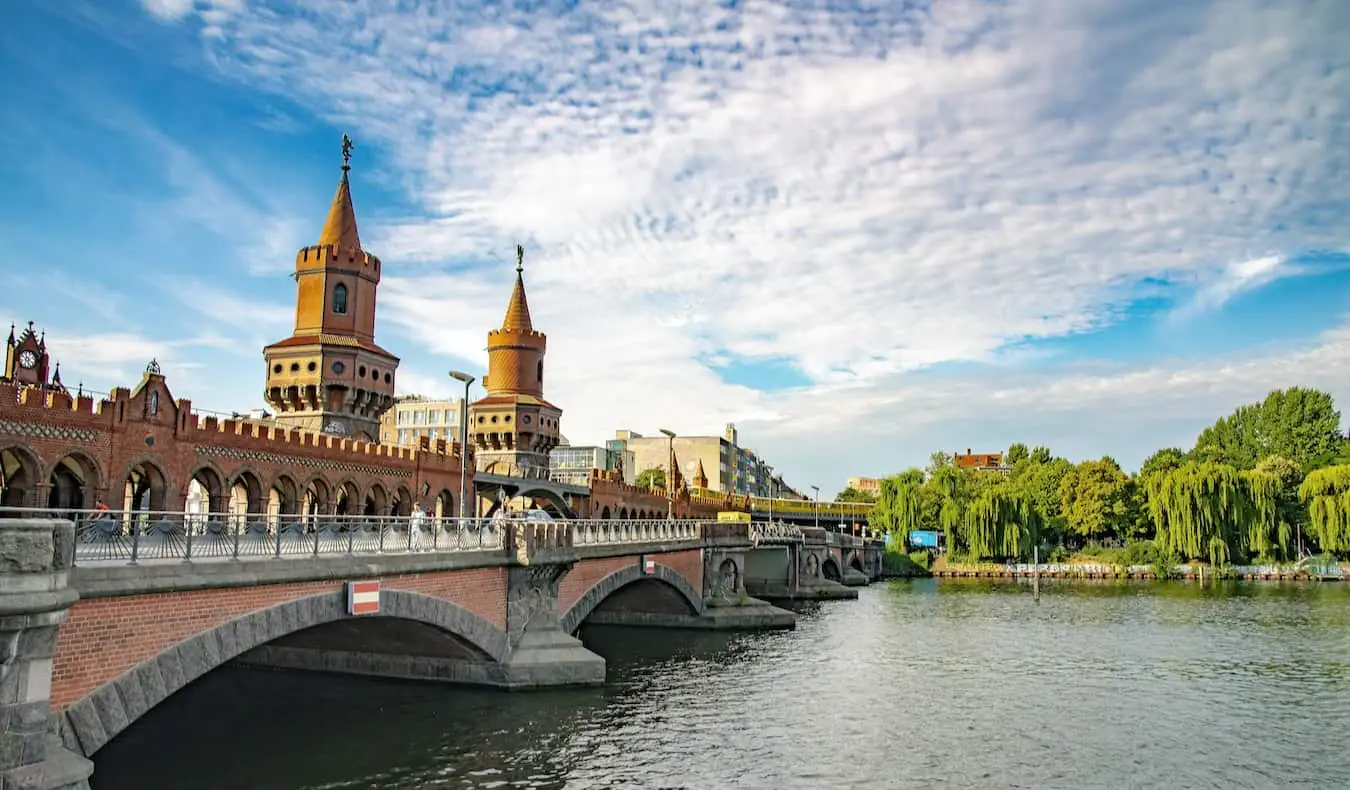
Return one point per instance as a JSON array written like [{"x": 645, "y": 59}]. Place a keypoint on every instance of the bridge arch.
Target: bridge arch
[
  {"x": 112, "y": 707},
  {"x": 571, "y": 619},
  {"x": 553, "y": 498}
]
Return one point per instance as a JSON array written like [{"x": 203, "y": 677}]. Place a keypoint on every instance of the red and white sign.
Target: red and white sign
[
  {"x": 363, "y": 597},
  {"x": 649, "y": 565}
]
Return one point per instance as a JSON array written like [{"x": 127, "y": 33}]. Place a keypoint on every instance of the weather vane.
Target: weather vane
[
  {"x": 346, "y": 152},
  {"x": 520, "y": 259}
]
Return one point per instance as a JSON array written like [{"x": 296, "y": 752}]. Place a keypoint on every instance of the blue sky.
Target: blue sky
[{"x": 860, "y": 231}]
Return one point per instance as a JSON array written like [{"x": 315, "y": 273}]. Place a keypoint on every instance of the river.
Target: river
[{"x": 961, "y": 684}]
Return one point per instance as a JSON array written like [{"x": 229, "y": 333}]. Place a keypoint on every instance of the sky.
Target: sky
[{"x": 860, "y": 231}]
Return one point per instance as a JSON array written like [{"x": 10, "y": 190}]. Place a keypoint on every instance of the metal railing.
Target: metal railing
[
  {"x": 132, "y": 537},
  {"x": 779, "y": 532}
]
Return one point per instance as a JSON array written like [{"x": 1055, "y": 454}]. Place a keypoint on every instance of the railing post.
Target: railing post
[
  {"x": 135, "y": 539},
  {"x": 437, "y": 525},
  {"x": 410, "y": 535},
  {"x": 277, "y": 554},
  {"x": 316, "y": 537},
  {"x": 234, "y": 555},
  {"x": 187, "y": 537}
]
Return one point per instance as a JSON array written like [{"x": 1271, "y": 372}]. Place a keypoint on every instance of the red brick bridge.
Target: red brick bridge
[{"x": 107, "y": 615}]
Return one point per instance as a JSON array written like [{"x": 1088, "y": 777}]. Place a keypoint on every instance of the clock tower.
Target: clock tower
[
  {"x": 26, "y": 360},
  {"x": 329, "y": 376}
]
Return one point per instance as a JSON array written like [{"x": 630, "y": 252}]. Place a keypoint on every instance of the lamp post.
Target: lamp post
[
  {"x": 772, "y": 491},
  {"x": 670, "y": 478},
  {"x": 817, "y": 490},
  {"x": 463, "y": 440}
]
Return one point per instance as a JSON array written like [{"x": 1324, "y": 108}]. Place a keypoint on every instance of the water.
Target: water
[{"x": 915, "y": 685}]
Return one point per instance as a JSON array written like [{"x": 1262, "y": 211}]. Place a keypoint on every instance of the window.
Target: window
[
  {"x": 539, "y": 373},
  {"x": 418, "y": 416},
  {"x": 154, "y": 402},
  {"x": 339, "y": 298}
]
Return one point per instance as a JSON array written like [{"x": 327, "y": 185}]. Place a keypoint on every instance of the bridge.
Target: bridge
[
  {"x": 104, "y": 615},
  {"x": 805, "y": 512},
  {"x": 560, "y": 498}
]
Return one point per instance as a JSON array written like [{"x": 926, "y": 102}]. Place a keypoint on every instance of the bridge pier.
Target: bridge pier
[{"x": 35, "y": 597}]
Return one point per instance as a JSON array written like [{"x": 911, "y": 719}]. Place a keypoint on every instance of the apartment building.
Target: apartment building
[{"x": 415, "y": 416}]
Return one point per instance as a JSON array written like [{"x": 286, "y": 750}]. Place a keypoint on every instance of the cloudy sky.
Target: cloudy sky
[{"x": 862, "y": 231}]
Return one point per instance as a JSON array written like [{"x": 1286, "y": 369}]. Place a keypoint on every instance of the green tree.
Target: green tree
[
  {"x": 899, "y": 509},
  {"x": 1327, "y": 494},
  {"x": 1040, "y": 455},
  {"x": 851, "y": 494},
  {"x": 1162, "y": 461},
  {"x": 651, "y": 478},
  {"x": 1300, "y": 424},
  {"x": 1016, "y": 454},
  {"x": 1290, "y": 514},
  {"x": 938, "y": 460},
  {"x": 1095, "y": 499},
  {"x": 1212, "y": 511},
  {"x": 1000, "y": 522}
]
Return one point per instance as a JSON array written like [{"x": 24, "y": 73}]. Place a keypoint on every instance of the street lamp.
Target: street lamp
[
  {"x": 817, "y": 490},
  {"x": 772, "y": 491},
  {"x": 670, "y": 478},
  {"x": 463, "y": 439}
]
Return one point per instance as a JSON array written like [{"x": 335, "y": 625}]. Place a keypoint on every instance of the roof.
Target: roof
[
  {"x": 339, "y": 230},
  {"x": 517, "y": 317},
  {"x": 333, "y": 340},
  {"x": 510, "y": 399}
]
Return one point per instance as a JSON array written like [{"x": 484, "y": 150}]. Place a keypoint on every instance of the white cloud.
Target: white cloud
[
  {"x": 168, "y": 10},
  {"x": 863, "y": 199}
]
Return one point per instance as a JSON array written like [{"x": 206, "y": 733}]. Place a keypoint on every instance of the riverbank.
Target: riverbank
[{"x": 1197, "y": 572}]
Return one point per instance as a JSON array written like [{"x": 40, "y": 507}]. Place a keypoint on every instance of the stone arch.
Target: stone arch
[
  {"x": 855, "y": 562},
  {"x": 155, "y": 679},
  {"x": 443, "y": 506},
  {"x": 623, "y": 514},
  {"x": 314, "y": 498},
  {"x": 376, "y": 502},
  {"x": 347, "y": 498},
  {"x": 283, "y": 496},
  {"x": 244, "y": 492},
  {"x": 402, "y": 502},
  {"x": 830, "y": 570},
  {"x": 20, "y": 471},
  {"x": 211, "y": 487},
  {"x": 75, "y": 479},
  {"x": 604, "y": 512},
  {"x": 145, "y": 486},
  {"x": 573, "y": 617},
  {"x": 559, "y": 504}
]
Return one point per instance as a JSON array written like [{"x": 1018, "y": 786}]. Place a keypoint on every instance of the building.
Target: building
[
  {"x": 867, "y": 485},
  {"x": 728, "y": 467},
  {"x": 329, "y": 376},
  {"x": 27, "y": 363},
  {"x": 415, "y": 417},
  {"x": 573, "y": 465},
  {"x": 513, "y": 429},
  {"x": 981, "y": 461}
]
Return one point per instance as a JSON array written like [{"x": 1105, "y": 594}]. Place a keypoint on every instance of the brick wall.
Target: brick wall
[
  {"x": 104, "y": 637},
  {"x": 585, "y": 574}
]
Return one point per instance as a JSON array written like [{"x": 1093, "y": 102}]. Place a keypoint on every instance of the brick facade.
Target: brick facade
[
  {"x": 613, "y": 498},
  {"x": 587, "y": 573},
  {"x": 104, "y": 637},
  {"x": 147, "y": 433}
]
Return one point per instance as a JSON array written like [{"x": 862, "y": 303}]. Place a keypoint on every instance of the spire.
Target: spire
[
  {"x": 339, "y": 230},
  {"x": 700, "y": 477},
  {"x": 518, "y": 310}
]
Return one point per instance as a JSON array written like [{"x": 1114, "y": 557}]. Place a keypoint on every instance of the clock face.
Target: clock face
[{"x": 28, "y": 359}]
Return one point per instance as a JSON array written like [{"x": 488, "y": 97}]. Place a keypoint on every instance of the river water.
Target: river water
[{"x": 961, "y": 684}]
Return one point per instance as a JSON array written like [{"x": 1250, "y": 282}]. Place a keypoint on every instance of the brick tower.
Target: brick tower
[
  {"x": 329, "y": 376},
  {"x": 513, "y": 427}
]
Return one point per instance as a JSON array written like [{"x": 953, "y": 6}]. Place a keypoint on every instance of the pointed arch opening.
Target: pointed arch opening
[
  {"x": 73, "y": 481},
  {"x": 19, "y": 473}
]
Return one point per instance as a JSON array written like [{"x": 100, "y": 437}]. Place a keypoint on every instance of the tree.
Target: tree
[
  {"x": 1040, "y": 455},
  {"x": 852, "y": 494},
  {"x": 1300, "y": 424},
  {"x": 1162, "y": 461},
  {"x": 1000, "y": 522},
  {"x": 1290, "y": 514},
  {"x": 1327, "y": 494},
  {"x": 1017, "y": 453},
  {"x": 651, "y": 478},
  {"x": 938, "y": 460},
  {"x": 1210, "y": 511},
  {"x": 899, "y": 509},
  {"x": 1095, "y": 499},
  {"x": 1040, "y": 481}
]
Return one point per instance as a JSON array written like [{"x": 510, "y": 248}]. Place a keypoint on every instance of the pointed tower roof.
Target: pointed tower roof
[
  {"x": 700, "y": 477},
  {"x": 518, "y": 310},
  {"x": 339, "y": 230}
]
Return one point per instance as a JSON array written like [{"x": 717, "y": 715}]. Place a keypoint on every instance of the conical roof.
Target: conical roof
[{"x": 339, "y": 230}]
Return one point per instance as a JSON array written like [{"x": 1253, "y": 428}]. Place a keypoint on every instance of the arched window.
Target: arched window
[
  {"x": 154, "y": 402},
  {"x": 539, "y": 373},
  {"x": 339, "y": 298}
]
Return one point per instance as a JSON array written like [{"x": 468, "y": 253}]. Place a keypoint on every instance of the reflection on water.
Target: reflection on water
[{"x": 949, "y": 683}]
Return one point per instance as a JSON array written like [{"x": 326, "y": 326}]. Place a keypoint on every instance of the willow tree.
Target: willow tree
[
  {"x": 1327, "y": 494},
  {"x": 899, "y": 508},
  {"x": 1001, "y": 521},
  {"x": 1268, "y": 534},
  {"x": 1200, "y": 511}
]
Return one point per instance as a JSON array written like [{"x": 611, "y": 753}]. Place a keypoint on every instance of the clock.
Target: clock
[{"x": 28, "y": 359}]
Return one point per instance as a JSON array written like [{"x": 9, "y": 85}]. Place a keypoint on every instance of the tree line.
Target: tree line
[{"x": 1269, "y": 482}]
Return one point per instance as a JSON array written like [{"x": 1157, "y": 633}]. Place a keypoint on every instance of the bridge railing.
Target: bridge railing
[{"x": 130, "y": 537}]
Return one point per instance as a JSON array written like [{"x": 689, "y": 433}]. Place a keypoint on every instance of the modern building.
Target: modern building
[
  {"x": 415, "y": 417},
  {"x": 573, "y": 465},
  {"x": 983, "y": 461},
  {"x": 513, "y": 428},
  {"x": 867, "y": 485},
  {"x": 727, "y": 466}
]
